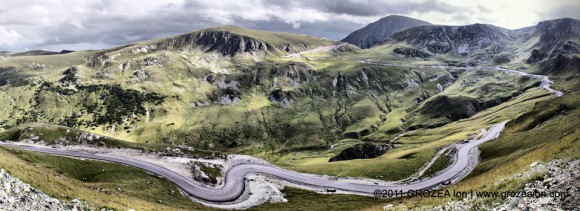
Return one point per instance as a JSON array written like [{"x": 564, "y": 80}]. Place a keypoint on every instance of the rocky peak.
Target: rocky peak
[
  {"x": 376, "y": 32},
  {"x": 556, "y": 37},
  {"x": 565, "y": 26}
]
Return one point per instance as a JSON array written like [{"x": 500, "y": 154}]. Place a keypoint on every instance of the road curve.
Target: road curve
[{"x": 234, "y": 183}]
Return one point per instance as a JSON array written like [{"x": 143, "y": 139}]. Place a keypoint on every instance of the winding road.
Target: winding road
[{"x": 234, "y": 182}]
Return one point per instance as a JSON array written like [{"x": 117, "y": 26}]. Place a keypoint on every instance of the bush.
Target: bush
[{"x": 501, "y": 58}]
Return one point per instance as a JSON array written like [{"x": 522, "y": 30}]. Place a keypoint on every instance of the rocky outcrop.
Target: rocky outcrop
[
  {"x": 564, "y": 64},
  {"x": 460, "y": 40},
  {"x": 87, "y": 138},
  {"x": 555, "y": 38},
  {"x": 141, "y": 74},
  {"x": 16, "y": 195},
  {"x": 560, "y": 178},
  {"x": 361, "y": 151},
  {"x": 150, "y": 61},
  {"x": 70, "y": 76},
  {"x": 411, "y": 52},
  {"x": 376, "y": 32}
]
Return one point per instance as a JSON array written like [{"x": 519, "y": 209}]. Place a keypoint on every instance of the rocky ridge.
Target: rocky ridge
[
  {"x": 231, "y": 40},
  {"x": 461, "y": 40},
  {"x": 376, "y": 32}
]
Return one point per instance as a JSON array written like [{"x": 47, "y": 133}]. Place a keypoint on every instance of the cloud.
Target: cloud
[
  {"x": 73, "y": 24},
  {"x": 10, "y": 37}
]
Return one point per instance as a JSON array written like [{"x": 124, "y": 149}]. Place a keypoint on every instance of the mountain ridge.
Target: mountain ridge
[
  {"x": 377, "y": 31},
  {"x": 231, "y": 40}
]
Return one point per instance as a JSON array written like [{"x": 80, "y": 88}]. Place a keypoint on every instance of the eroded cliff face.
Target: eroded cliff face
[
  {"x": 227, "y": 43},
  {"x": 461, "y": 40},
  {"x": 556, "y": 37}
]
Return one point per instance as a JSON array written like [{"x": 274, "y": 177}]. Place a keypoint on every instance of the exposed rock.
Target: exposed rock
[
  {"x": 200, "y": 104},
  {"x": 228, "y": 41},
  {"x": 150, "y": 61},
  {"x": 70, "y": 76},
  {"x": 16, "y": 195},
  {"x": 228, "y": 84},
  {"x": 463, "y": 40},
  {"x": 125, "y": 66},
  {"x": 37, "y": 66},
  {"x": 565, "y": 64},
  {"x": 228, "y": 99},
  {"x": 141, "y": 74},
  {"x": 555, "y": 38},
  {"x": 361, "y": 151},
  {"x": 559, "y": 177},
  {"x": 85, "y": 137},
  {"x": 210, "y": 78},
  {"x": 411, "y": 52}
]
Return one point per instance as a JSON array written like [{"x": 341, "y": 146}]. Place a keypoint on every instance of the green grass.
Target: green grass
[
  {"x": 440, "y": 163},
  {"x": 303, "y": 200},
  {"x": 54, "y": 134},
  {"x": 211, "y": 172},
  {"x": 421, "y": 143},
  {"x": 101, "y": 184},
  {"x": 514, "y": 151}
]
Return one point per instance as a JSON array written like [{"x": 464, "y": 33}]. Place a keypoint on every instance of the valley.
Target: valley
[{"x": 256, "y": 117}]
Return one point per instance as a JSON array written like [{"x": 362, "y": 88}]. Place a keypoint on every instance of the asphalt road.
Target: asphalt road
[{"x": 234, "y": 183}]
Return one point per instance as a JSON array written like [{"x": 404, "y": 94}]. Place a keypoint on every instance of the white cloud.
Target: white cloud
[{"x": 9, "y": 37}]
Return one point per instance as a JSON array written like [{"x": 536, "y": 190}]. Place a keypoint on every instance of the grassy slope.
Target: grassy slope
[
  {"x": 419, "y": 146},
  {"x": 513, "y": 152},
  {"x": 67, "y": 179}
]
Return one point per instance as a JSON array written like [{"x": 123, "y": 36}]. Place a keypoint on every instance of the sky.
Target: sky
[{"x": 97, "y": 24}]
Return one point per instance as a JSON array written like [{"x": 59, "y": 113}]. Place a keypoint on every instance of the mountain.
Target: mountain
[
  {"x": 376, "y": 32},
  {"x": 461, "y": 40},
  {"x": 552, "y": 44},
  {"x": 232, "y": 40},
  {"x": 555, "y": 37}
]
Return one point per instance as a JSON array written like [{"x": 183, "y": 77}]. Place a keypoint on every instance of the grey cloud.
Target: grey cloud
[
  {"x": 569, "y": 10},
  {"x": 77, "y": 24},
  {"x": 377, "y": 8}
]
